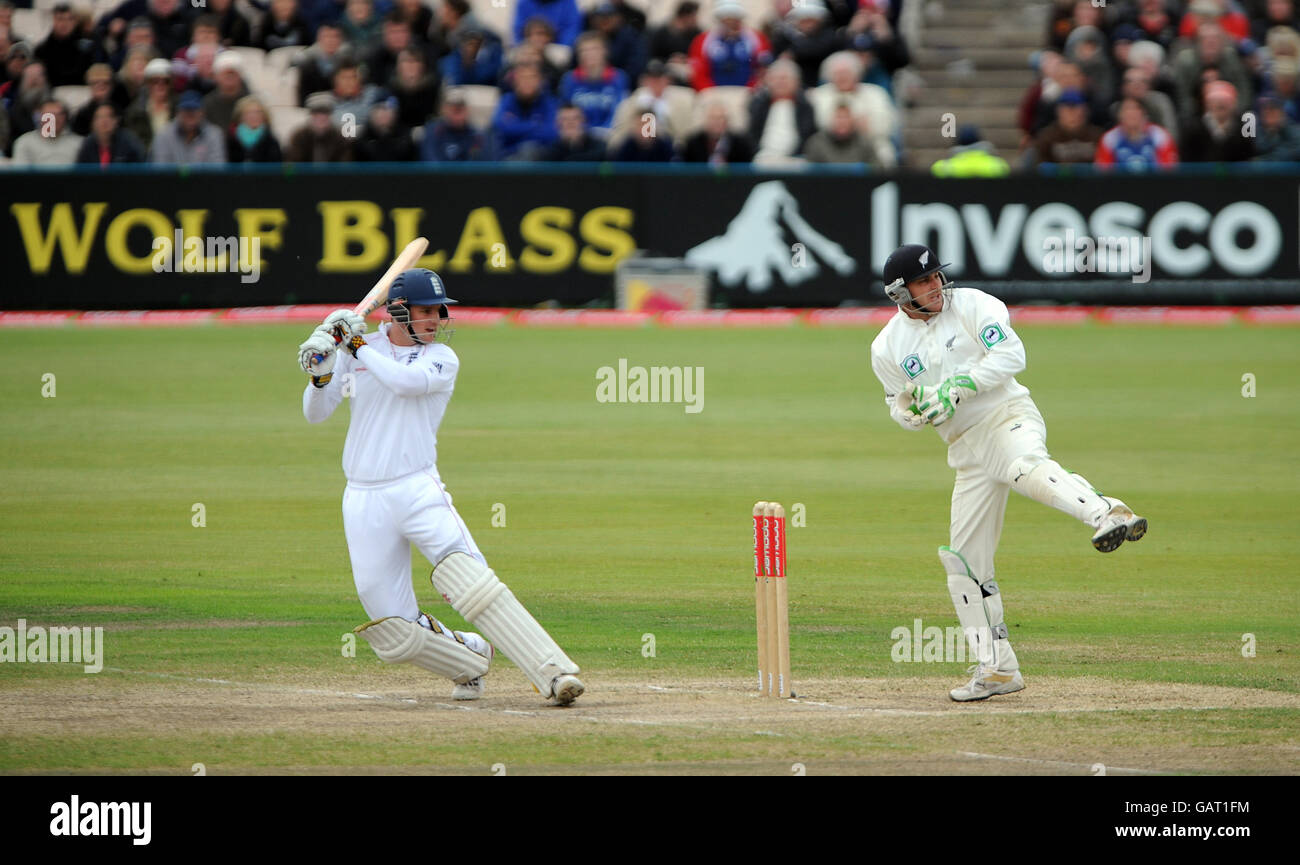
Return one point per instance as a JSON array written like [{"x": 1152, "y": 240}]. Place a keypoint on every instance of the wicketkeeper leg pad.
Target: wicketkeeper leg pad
[
  {"x": 398, "y": 641},
  {"x": 474, "y": 591},
  {"x": 979, "y": 610},
  {"x": 1046, "y": 482}
]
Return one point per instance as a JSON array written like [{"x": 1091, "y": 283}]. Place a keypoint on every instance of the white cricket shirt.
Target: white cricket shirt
[
  {"x": 972, "y": 335},
  {"x": 399, "y": 395}
]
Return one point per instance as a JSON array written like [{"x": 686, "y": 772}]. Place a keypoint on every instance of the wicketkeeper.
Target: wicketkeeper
[
  {"x": 948, "y": 359},
  {"x": 401, "y": 380}
]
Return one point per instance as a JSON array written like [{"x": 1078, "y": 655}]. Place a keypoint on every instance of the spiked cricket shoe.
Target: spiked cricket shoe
[
  {"x": 986, "y": 682},
  {"x": 1118, "y": 525},
  {"x": 474, "y": 688},
  {"x": 471, "y": 690}
]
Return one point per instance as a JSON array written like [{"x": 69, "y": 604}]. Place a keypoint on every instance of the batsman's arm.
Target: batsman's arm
[
  {"x": 318, "y": 403},
  {"x": 430, "y": 375}
]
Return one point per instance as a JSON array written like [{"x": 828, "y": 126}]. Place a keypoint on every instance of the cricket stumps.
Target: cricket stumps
[{"x": 771, "y": 601}]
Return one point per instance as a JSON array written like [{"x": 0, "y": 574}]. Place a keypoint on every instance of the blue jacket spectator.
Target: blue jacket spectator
[
  {"x": 451, "y": 139},
  {"x": 563, "y": 15},
  {"x": 629, "y": 48},
  {"x": 525, "y": 118},
  {"x": 475, "y": 60},
  {"x": 594, "y": 87}
]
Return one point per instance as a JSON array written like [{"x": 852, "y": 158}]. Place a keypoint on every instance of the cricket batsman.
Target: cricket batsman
[
  {"x": 401, "y": 379},
  {"x": 948, "y": 359}
]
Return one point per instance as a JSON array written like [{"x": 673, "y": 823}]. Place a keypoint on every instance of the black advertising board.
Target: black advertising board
[{"x": 523, "y": 235}]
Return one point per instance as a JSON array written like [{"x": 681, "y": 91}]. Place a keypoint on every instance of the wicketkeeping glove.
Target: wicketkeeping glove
[
  {"x": 940, "y": 404},
  {"x": 907, "y": 411}
]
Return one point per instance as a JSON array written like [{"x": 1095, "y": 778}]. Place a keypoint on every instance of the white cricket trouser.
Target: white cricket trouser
[
  {"x": 381, "y": 521},
  {"x": 983, "y": 458}
]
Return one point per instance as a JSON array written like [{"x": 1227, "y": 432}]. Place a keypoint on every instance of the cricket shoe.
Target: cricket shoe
[
  {"x": 474, "y": 688},
  {"x": 565, "y": 689},
  {"x": 986, "y": 682},
  {"x": 1118, "y": 525},
  {"x": 471, "y": 690}
]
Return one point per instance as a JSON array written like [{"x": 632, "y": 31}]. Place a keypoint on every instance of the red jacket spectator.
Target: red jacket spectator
[
  {"x": 730, "y": 54},
  {"x": 1233, "y": 21},
  {"x": 1136, "y": 143}
]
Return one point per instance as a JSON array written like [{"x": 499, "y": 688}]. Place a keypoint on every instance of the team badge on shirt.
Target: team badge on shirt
[
  {"x": 991, "y": 335},
  {"x": 912, "y": 365}
]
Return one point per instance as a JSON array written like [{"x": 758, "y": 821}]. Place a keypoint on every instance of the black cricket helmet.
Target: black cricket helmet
[{"x": 908, "y": 263}]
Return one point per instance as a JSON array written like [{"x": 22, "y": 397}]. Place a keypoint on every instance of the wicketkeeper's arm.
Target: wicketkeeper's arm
[
  {"x": 898, "y": 393},
  {"x": 1004, "y": 353}
]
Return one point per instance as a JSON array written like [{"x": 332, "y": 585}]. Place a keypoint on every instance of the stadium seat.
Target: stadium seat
[
  {"x": 283, "y": 90},
  {"x": 282, "y": 58},
  {"x": 33, "y": 24},
  {"x": 254, "y": 59},
  {"x": 72, "y": 95},
  {"x": 276, "y": 87},
  {"x": 499, "y": 18},
  {"x": 735, "y": 98},
  {"x": 559, "y": 55},
  {"x": 285, "y": 120},
  {"x": 482, "y": 99}
]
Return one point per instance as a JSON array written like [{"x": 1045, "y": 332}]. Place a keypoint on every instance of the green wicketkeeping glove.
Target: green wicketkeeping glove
[{"x": 940, "y": 405}]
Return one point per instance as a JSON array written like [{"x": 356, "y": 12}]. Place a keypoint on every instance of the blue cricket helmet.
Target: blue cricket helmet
[{"x": 418, "y": 286}]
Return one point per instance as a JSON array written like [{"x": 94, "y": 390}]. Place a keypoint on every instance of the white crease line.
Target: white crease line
[
  {"x": 851, "y": 712},
  {"x": 261, "y": 686},
  {"x": 1108, "y": 770}
]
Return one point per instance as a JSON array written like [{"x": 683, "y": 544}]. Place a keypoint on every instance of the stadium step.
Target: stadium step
[
  {"x": 972, "y": 57},
  {"x": 1030, "y": 38},
  {"x": 967, "y": 76},
  {"x": 982, "y": 58},
  {"x": 968, "y": 15},
  {"x": 935, "y": 93},
  {"x": 980, "y": 115}
]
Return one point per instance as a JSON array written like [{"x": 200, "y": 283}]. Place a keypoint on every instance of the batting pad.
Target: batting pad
[
  {"x": 474, "y": 591},
  {"x": 979, "y": 610},
  {"x": 398, "y": 641},
  {"x": 1047, "y": 482}
]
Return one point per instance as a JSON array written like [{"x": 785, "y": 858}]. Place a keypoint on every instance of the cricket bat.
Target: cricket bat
[{"x": 378, "y": 295}]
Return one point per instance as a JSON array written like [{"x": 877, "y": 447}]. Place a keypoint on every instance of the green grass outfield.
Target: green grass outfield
[{"x": 626, "y": 520}]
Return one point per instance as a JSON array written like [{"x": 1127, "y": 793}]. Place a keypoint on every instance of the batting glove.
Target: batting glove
[
  {"x": 354, "y": 344},
  {"x": 344, "y": 324},
  {"x": 316, "y": 356}
]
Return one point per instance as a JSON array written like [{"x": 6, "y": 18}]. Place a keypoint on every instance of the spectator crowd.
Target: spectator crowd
[
  {"x": 238, "y": 81},
  {"x": 1149, "y": 84}
]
